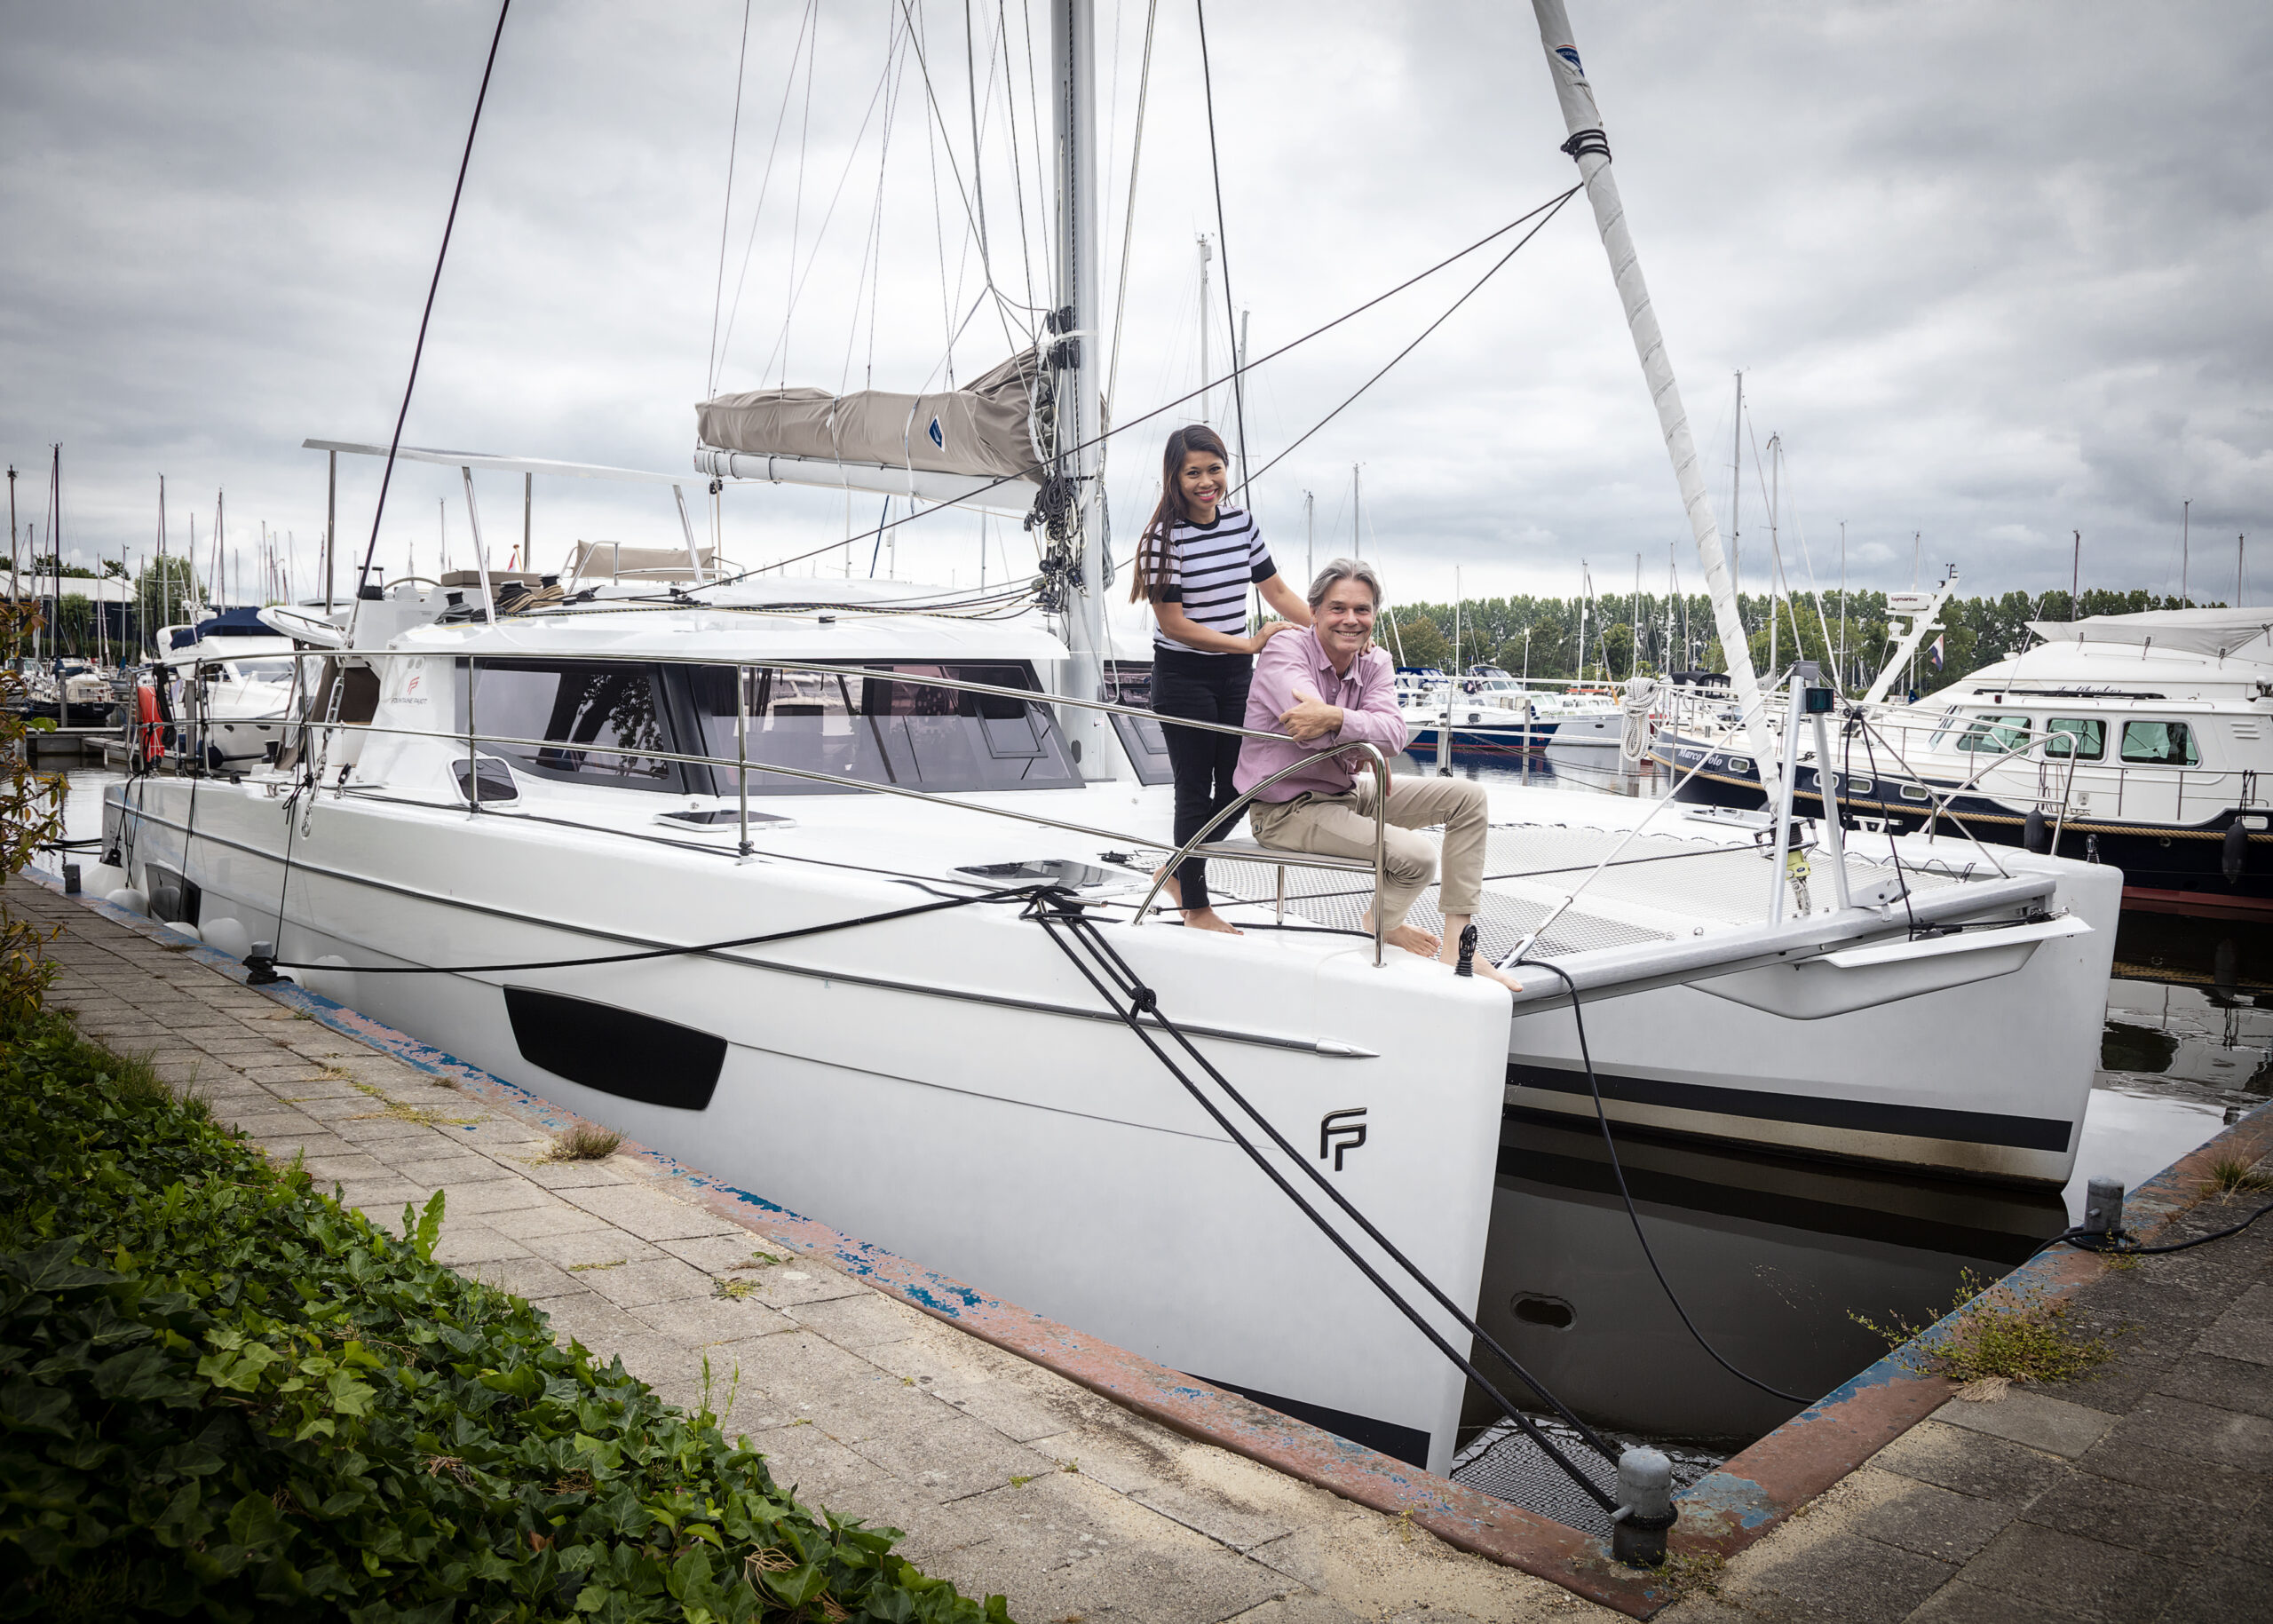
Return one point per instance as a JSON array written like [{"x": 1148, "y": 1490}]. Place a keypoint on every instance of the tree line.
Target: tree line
[{"x": 1847, "y": 632}]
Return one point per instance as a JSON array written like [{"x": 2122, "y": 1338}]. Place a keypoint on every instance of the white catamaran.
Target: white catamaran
[{"x": 821, "y": 887}]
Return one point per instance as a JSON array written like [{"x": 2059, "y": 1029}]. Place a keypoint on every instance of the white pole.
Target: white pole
[
  {"x": 1206, "y": 254},
  {"x": 1584, "y": 122},
  {"x": 1310, "y": 539},
  {"x": 481, "y": 558}
]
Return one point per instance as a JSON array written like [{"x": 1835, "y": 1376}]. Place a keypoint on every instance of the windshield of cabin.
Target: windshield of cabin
[{"x": 857, "y": 726}]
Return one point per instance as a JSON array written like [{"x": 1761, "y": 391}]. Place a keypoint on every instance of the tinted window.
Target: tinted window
[
  {"x": 863, "y": 726},
  {"x": 2159, "y": 744},
  {"x": 2090, "y": 742},
  {"x": 1995, "y": 734},
  {"x": 599, "y": 717}
]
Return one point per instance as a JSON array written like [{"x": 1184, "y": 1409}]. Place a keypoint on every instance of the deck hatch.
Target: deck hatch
[{"x": 618, "y": 1052}]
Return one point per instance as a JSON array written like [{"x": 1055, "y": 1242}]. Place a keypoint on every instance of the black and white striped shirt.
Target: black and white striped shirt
[{"x": 1207, "y": 569}]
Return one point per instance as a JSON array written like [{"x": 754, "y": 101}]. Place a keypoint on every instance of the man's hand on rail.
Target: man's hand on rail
[{"x": 1309, "y": 717}]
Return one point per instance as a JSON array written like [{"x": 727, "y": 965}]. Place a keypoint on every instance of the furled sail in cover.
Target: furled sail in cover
[{"x": 984, "y": 431}]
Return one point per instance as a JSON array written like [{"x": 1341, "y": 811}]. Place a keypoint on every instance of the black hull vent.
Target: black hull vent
[{"x": 617, "y": 1051}]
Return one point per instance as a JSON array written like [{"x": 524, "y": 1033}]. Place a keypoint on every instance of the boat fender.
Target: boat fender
[
  {"x": 2035, "y": 834},
  {"x": 153, "y": 724},
  {"x": 132, "y": 900},
  {"x": 2236, "y": 851}
]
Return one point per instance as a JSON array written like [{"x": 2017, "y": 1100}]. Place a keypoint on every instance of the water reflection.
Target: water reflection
[{"x": 1772, "y": 1257}]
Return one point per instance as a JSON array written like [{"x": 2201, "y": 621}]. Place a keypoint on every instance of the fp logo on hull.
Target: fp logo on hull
[{"x": 1340, "y": 1132}]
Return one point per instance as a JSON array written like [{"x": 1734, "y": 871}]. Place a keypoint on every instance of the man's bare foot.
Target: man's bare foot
[
  {"x": 1490, "y": 972},
  {"x": 1208, "y": 919},
  {"x": 1411, "y": 938}
]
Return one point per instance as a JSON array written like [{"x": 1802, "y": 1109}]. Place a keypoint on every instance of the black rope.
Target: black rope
[
  {"x": 1018, "y": 894},
  {"x": 433, "y": 288},
  {"x": 2122, "y": 1246},
  {"x": 1626, "y": 1196},
  {"x": 1053, "y": 909}
]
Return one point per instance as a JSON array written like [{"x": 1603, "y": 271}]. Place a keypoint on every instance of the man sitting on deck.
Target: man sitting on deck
[{"x": 1327, "y": 688}]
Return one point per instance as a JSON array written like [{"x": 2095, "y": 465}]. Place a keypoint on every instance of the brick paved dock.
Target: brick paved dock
[{"x": 2143, "y": 1493}]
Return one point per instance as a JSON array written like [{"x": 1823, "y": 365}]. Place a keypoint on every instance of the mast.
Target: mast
[
  {"x": 1205, "y": 402},
  {"x": 1310, "y": 539},
  {"x": 1073, "y": 51},
  {"x": 330, "y": 528},
  {"x": 1589, "y": 148}
]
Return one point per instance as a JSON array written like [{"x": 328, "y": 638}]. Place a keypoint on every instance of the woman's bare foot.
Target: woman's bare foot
[
  {"x": 1411, "y": 938},
  {"x": 1208, "y": 919},
  {"x": 1172, "y": 887}
]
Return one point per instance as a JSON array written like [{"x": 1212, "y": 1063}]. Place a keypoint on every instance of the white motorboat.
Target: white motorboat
[
  {"x": 233, "y": 674},
  {"x": 2136, "y": 740},
  {"x": 839, "y": 892}
]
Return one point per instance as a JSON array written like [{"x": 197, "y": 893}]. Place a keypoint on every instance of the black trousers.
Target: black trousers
[{"x": 1204, "y": 688}]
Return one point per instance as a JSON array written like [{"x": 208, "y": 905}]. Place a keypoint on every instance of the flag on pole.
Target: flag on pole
[{"x": 1935, "y": 651}]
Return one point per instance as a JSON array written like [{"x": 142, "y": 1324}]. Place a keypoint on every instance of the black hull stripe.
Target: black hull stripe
[{"x": 2028, "y": 1133}]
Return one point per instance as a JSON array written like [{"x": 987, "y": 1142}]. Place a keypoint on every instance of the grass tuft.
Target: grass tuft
[
  {"x": 2232, "y": 1175},
  {"x": 582, "y": 1142},
  {"x": 2019, "y": 1333}
]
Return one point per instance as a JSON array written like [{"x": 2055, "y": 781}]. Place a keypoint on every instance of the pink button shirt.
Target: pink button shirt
[{"x": 1366, "y": 695}]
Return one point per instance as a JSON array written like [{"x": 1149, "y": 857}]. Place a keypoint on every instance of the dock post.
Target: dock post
[{"x": 1637, "y": 1532}]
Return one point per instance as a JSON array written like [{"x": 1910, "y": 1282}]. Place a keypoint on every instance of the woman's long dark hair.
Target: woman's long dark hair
[{"x": 1152, "y": 549}]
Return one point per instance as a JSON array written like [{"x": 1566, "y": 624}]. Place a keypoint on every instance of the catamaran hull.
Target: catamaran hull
[
  {"x": 1986, "y": 1078},
  {"x": 942, "y": 1085}
]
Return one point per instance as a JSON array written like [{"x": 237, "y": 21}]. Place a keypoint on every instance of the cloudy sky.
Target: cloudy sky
[{"x": 1994, "y": 273}]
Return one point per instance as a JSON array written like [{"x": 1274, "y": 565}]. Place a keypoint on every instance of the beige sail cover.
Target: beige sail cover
[{"x": 983, "y": 430}]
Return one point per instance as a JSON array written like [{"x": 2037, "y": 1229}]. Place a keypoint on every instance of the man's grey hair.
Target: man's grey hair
[{"x": 1345, "y": 569}]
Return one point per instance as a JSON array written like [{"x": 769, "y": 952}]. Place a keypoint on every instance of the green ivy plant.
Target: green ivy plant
[{"x": 222, "y": 1396}]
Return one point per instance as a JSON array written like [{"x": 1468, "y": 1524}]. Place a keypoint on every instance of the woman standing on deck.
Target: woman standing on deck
[{"x": 1193, "y": 566}]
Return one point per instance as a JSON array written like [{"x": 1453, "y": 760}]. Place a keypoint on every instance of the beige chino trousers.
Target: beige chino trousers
[{"x": 1343, "y": 826}]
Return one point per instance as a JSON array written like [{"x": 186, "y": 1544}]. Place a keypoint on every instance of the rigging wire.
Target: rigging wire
[
  {"x": 1018, "y": 162},
  {"x": 807, "y": 25},
  {"x": 1553, "y": 209},
  {"x": 813, "y": 257},
  {"x": 726, "y": 215},
  {"x": 1129, "y": 222},
  {"x": 1223, "y": 251},
  {"x": 1548, "y": 208},
  {"x": 433, "y": 287}
]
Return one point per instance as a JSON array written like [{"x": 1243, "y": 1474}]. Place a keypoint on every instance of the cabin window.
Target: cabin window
[
  {"x": 597, "y": 718},
  {"x": 862, "y": 727},
  {"x": 1994, "y": 734},
  {"x": 2159, "y": 744},
  {"x": 2090, "y": 742},
  {"x": 1914, "y": 792}
]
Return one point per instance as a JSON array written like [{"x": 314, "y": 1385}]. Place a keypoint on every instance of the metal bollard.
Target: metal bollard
[
  {"x": 1645, "y": 1508},
  {"x": 2103, "y": 1208},
  {"x": 260, "y": 966},
  {"x": 70, "y": 879}
]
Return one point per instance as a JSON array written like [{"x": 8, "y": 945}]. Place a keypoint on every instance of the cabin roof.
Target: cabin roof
[{"x": 789, "y": 628}]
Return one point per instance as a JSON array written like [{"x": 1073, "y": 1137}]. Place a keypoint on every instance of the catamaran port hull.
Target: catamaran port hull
[{"x": 946, "y": 1085}]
